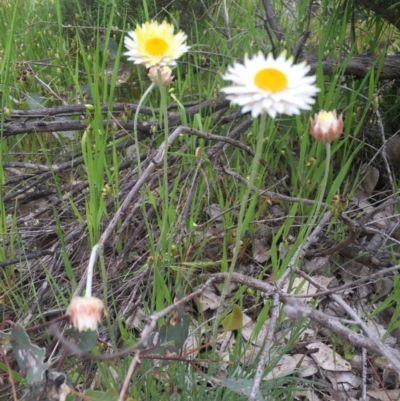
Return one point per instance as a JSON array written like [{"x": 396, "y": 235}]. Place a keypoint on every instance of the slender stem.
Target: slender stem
[
  {"x": 243, "y": 207},
  {"x": 315, "y": 213},
  {"x": 89, "y": 278},
  {"x": 135, "y": 120},
  {"x": 164, "y": 119},
  {"x": 321, "y": 194}
]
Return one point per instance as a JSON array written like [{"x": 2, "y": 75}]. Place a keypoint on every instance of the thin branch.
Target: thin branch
[
  {"x": 273, "y": 21},
  {"x": 27, "y": 256},
  {"x": 142, "y": 343},
  {"x": 227, "y": 26},
  {"x": 156, "y": 161},
  {"x": 132, "y": 367},
  {"x": 353, "y": 284},
  {"x": 313, "y": 237},
  {"x": 296, "y": 310},
  {"x": 381, "y": 348}
]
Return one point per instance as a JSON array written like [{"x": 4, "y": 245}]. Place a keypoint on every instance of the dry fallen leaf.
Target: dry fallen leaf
[
  {"x": 248, "y": 330},
  {"x": 384, "y": 395},
  {"x": 300, "y": 286},
  {"x": 328, "y": 359},
  {"x": 234, "y": 320},
  {"x": 307, "y": 365},
  {"x": 208, "y": 300},
  {"x": 286, "y": 366},
  {"x": 261, "y": 251},
  {"x": 371, "y": 177},
  {"x": 344, "y": 380}
]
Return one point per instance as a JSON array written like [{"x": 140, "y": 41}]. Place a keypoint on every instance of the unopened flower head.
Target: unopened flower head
[
  {"x": 86, "y": 312},
  {"x": 160, "y": 76},
  {"x": 267, "y": 85},
  {"x": 326, "y": 126},
  {"x": 155, "y": 44}
]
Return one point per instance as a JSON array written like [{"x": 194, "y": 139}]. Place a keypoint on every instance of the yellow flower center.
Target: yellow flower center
[
  {"x": 270, "y": 79},
  {"x": 156, "y": 46},
  {"x": 324, "y": 116}
]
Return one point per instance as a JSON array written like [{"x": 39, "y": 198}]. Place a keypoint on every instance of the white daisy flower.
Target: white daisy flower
[
  {"x": 155, "y": 44},
  {"x": 268, "y": 85}
]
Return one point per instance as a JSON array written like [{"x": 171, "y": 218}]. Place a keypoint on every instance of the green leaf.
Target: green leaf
[
  {"x": 239, "y": 386},
  {"x": 176, "y": 333},
  {"x": 123, "y": 73},
  {"x": 112, "y": 47},
  {"x": 65, "y": 134},
  {"x": 29, "y": 357},
  {"x": 85, "y": 340},
  {"x": 16, "y": 376},
  {"x": 53, "y": 387},
  {"x": 35, "y": 101},
  {"x": 109, "y": 395},
  {"x": 234, "y": 320}
]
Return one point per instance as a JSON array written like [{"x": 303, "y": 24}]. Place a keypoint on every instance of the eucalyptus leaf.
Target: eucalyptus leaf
[
  {"x": 30, "y": 358},
  {"x": 239, "y": 386},
  {"x": 85, "y": 340},
  {"x": 234, "y": 320},
  {"x": 109, "y": 395}
]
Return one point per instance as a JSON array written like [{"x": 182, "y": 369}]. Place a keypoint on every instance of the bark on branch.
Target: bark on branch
[
  {"x": 43, "y": 120},
  {"x": 387, "y": 9},
  {"x": 357, "y": 66}
]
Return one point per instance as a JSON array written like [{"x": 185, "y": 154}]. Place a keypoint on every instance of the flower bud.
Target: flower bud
[
  {"x": 128, "y": 109},
  {"x": 165, "y": 77},
  {"x": 6, "y": 112},
  {"x": 326, "y": 126}
]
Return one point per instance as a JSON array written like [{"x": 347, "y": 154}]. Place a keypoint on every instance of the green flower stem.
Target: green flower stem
[
  {"x": 296, "y": 256},
  {"x": 316, "y": 211},
  {"x": 164, "y": 118},
  {"x": 243, "y": 207},
  {"x": 321, "y": 194},
  {"x": 141, "y": 101},
  {"x": 89, "y": 278}
]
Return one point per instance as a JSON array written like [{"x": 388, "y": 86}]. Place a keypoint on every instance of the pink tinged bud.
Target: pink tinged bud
[
  {"x": 165, "y": 77},
  {"x": 86, "y": 313},
  {"x": 326, "y": 127}
]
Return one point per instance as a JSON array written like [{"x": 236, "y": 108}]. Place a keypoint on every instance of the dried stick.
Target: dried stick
[
  {"x": 145, "y": 335},
  {"x": 383, "y": 148},
  {"x": 156, "y": 161},
  {"x": 381, "y": 348},
  {"x": 131, "y": 370},
  {"x": 364, "y": 375},
  {"x": 296, "y": 310},
  {"x": 273, "y": 21},
  {"x": 266, "y": 348},
  {"x": 353, "y": 284},
  {"x": 3, "y": 352},
  {"x": 304, "y": 36},
  {"x": 227, "y": 26},
  {"x": 271, "y": 194},
  {"x": 276, "y": 299}
]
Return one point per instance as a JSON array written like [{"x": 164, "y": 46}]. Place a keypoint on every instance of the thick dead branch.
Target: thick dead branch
[
  {"x": 387, "y": 9},
  {"x": 19, "y": 125},
  {"x": 298, "y": 309},
  {"x": 357, "y": 66}
]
